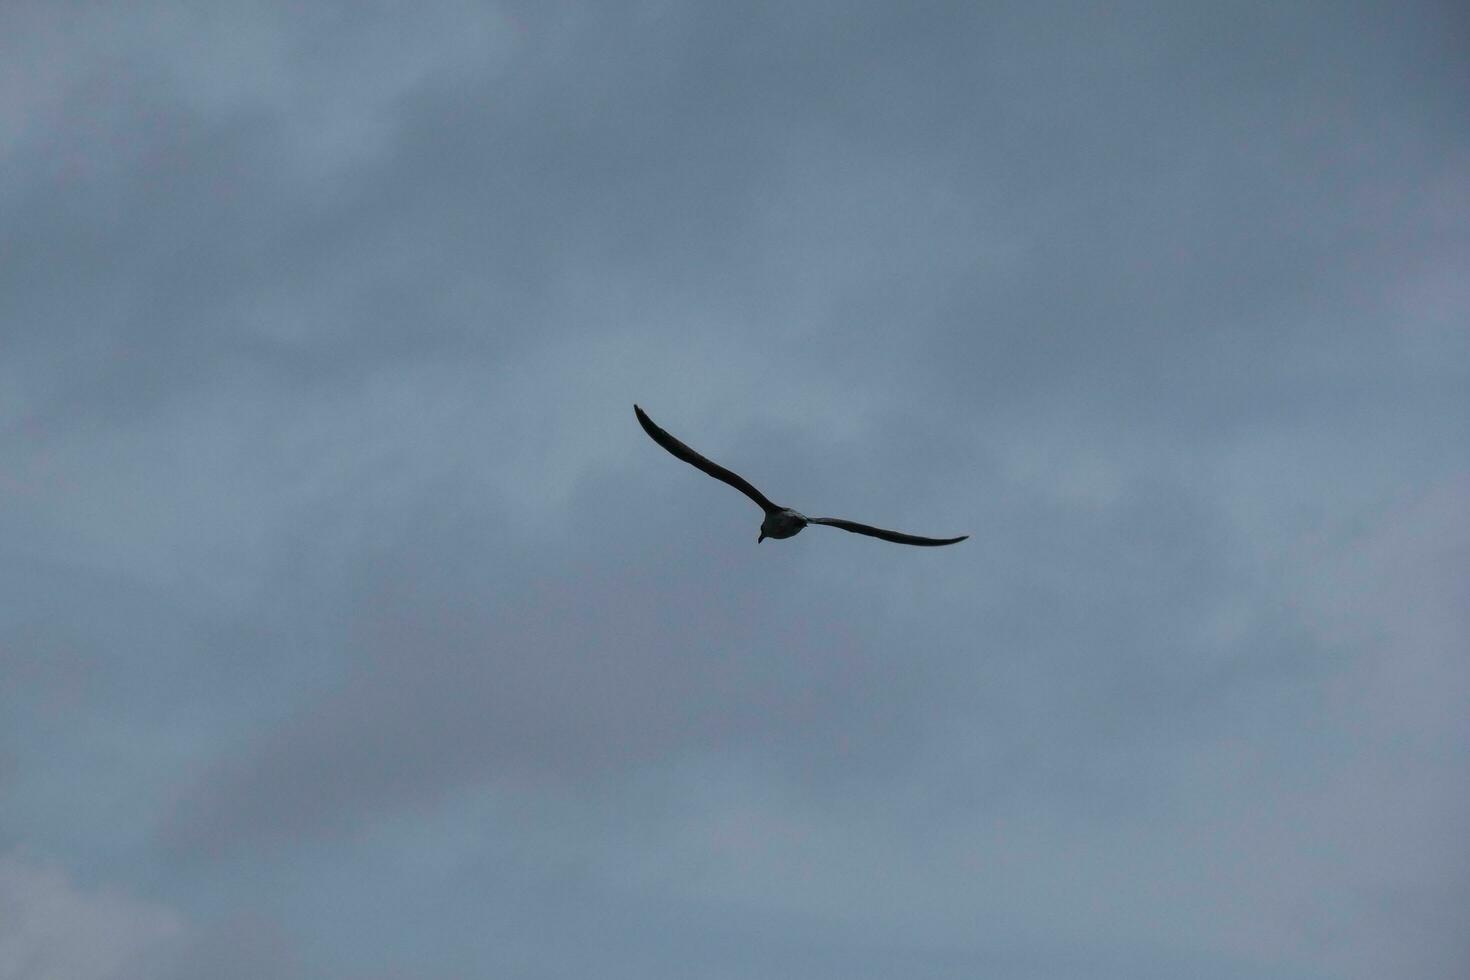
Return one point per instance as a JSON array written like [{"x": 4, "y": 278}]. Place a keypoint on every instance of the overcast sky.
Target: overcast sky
[{"x": 350, "y": 627}]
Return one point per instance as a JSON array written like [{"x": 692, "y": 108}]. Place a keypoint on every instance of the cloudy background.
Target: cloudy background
[{"x": 351, "y": 628}]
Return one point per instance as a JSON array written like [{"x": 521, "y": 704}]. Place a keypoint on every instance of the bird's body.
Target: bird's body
[
  {"x": 783, "y": 523},
  {"x": 779, "y": 522}
]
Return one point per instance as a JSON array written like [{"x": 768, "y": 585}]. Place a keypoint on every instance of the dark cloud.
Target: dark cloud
[{"x": 353, "y": 627}]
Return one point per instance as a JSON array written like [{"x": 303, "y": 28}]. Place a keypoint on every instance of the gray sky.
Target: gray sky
[{"x": 351, "y": 628}]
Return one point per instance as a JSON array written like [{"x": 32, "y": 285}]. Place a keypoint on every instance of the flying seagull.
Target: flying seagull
[{"x": 780, "y": 522}]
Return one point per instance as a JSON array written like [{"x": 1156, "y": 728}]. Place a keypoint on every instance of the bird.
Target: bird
[{"x": 779, "y": 522}]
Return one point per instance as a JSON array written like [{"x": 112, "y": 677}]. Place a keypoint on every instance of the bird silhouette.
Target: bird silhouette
[{"x": 779, "y": 522}]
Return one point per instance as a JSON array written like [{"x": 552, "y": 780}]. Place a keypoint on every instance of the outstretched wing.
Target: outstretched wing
[
  {"x": 694, "y": 459},
  {"x": 878, "y": 532}
]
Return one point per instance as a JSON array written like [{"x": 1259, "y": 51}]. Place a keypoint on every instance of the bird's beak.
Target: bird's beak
[{"x": 761, "y": 538}]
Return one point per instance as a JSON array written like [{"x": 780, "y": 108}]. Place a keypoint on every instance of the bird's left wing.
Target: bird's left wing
[
  {"x": 694, "y": 459},
  {"x": 878, "y": 532}
]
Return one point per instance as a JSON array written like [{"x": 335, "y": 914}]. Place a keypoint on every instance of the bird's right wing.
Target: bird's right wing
[
  {"x": 694, "y": 459},
  {"x": 878, "y": 532}
]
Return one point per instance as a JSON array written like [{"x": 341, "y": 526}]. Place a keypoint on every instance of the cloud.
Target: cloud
[
  {"x": 333, "y": 102},
  {"x": 349, "y": 609},
  {"x": 53, "y": 929},
  {"x": 479, "y": 652}
]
